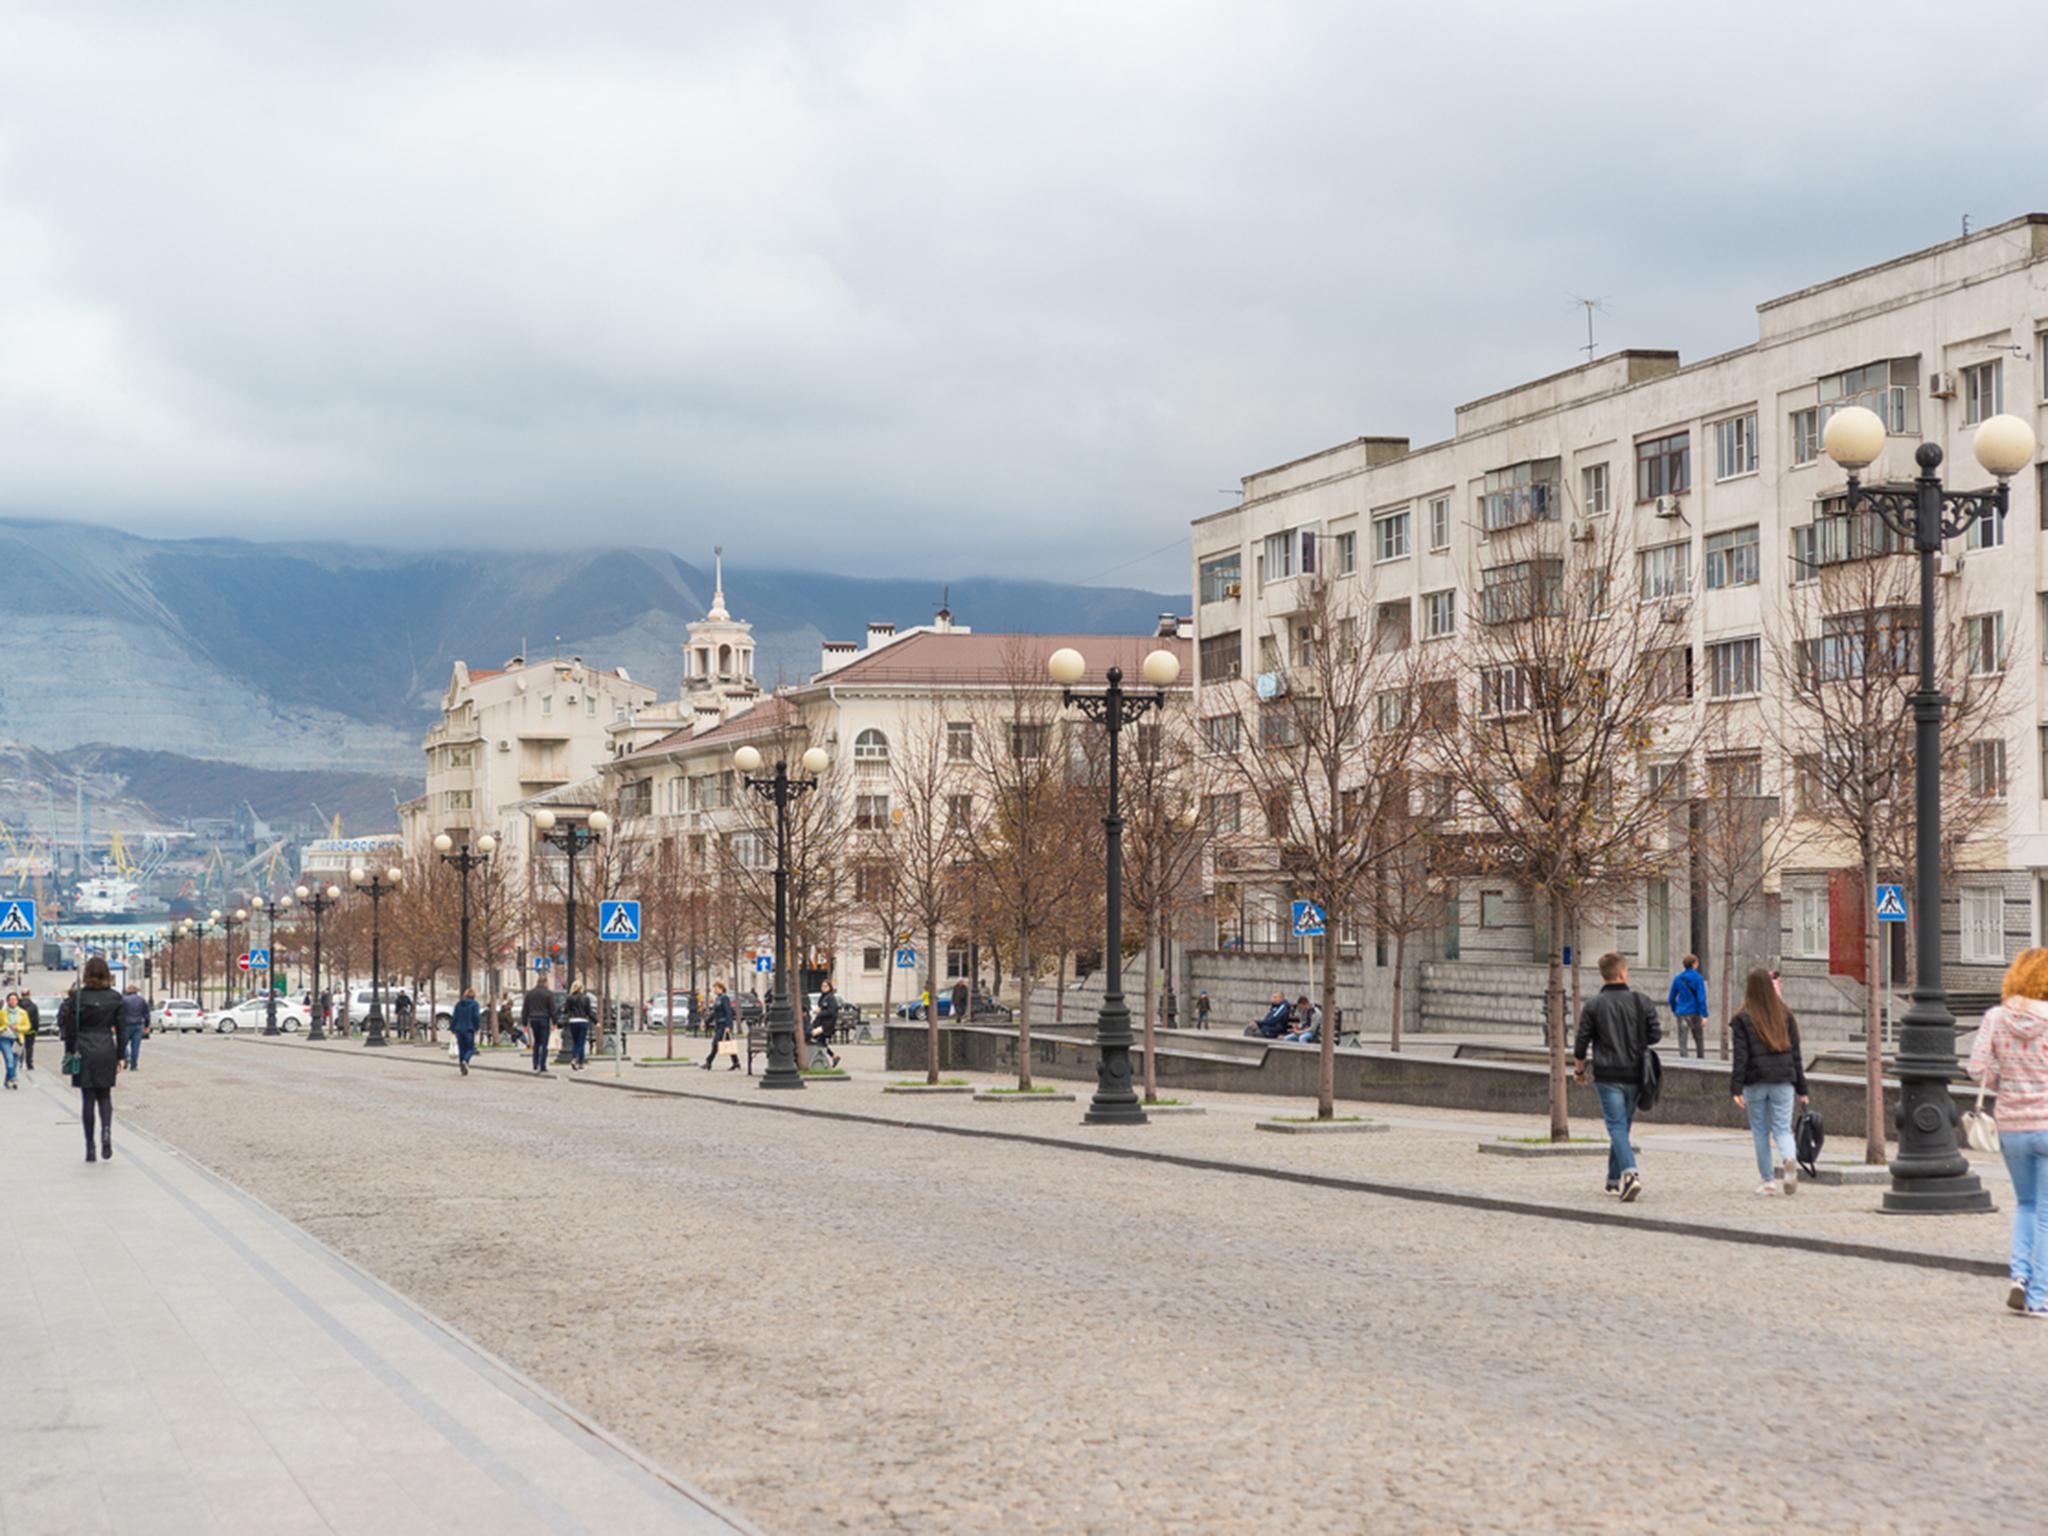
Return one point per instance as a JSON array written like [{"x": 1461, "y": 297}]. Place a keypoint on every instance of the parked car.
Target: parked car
[
  {"x": 983, "y": 1007},
  {"x": 254, "y": 1013},
  {"x": 659, "y": 1010},
  {"x": 182, "y": 1014},
  {"x": 359, "y": 1007}
]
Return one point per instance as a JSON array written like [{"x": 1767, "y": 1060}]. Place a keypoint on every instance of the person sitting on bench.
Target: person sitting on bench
[
  {"x": 1276, "y": 1020},
  {"x": 1308, "y": 1020}
]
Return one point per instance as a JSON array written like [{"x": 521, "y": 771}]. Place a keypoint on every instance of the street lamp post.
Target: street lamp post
[
  {"x": 1113, "y": 709},
  {"x": 376, "y": 884},
  {"x": 228, "y": 921},
  {"x": 464, "y": 861},
  {"x": 779, "y": 790},
  {"x": 572, "y": 837},
  {"x": 270, "y": 906},
  {"x": 317, "y": 900},
  {"x": 1930, "y": 1175}
]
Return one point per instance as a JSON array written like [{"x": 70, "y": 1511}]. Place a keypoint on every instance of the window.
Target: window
[
  {"x": 1810, "y": 922},
  {"x": 871, "y": 960},
  {"x": 1493, "y": 909},
  {"x": 1440, "y": 614},
  {"x": 1222, "y": 577},
  {"x": 1670, "y": 673},
  {"x": 1593, "y": 490},
  {"x": 1277, "y": 726},
  {"x": 1987, "y": 532},
  {"x": 1390, "y": 536},
  {"x": 1508, "y": 593},
  {"x": 1853, "y": 644},
  {"x": 1731, "y": 559},
  {"x": 956, "y": 959},
  {"x": 1835, "y": 536},
  {"x": 1347, "y": 553},
  {"x": 1269, "y": 653},
  {"x": 1983, "y": 924},
  {"x": 870, "y": 812},
  {"x": 1392, "y": 629},
  {"x": 1984, "y": 643},
  {"x": 459, "y": 799},
  {"x": 2042, "y": 732},
  {"x": 1389, "y": 709},
  {"x": 871, "y": 746},
  {"x": 1734, "y": 668},
  {"x": 635, "y": 799},
  {"x": 1736, "y": 775},
  {"x": 1439, "y": 522},
  {"x": 1304, "y": 645},
  {"x": 1983, "y": 391},
  {"x": 1503, "y": 691},
  {"x": 1308, "y": 551},
  {"x": 1222, "y": 814},
  {"x": 1666, "y": 570},
  {"x": 1805, "y": 428},
  {"x": 1809, "y": 785},
  {"x": 1452, "y": 947},
  {"x": 870, "y": 881},
  {"x": 1987, "y": 770},
  {"x": 1657, "y": 924},
  {"x": 1735, "y": 447},
  {"x": 1276, "y": 557},
  {"x": 590, "y": 705},
  {"x": 1666, "y": 781},
  {"x": 959, "y": 812},
  {"x": 1890, "y": 388},
  {"x": 1219, "y": 733},
  {"x": 1028, "y": 742},
  {"x": 959, "y": 741},
  {"x": 1223, "y": 656},
  {"x": 547, "y": 704},
  {"x": 752, "y": 850},
  {"x": 1664, "y": 466},
  {"x": 462, "y": 757},
  {"x": 1347, "y": 638},
  {"x": 1521, "y": 493},
  {"x": 1151, "y": 740}
]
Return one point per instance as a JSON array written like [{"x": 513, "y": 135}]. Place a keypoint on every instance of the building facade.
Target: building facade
[{"x": 1710, "y": 476}]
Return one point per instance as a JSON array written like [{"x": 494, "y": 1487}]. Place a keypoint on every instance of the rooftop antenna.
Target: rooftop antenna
[
  {"x": 1591, "y": 307},
  {"x": 1966, "y": 226}
]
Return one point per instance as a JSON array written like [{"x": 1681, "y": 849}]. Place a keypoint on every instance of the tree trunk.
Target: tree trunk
[
  {"x": 931, "y": 1007},
  {"x": 1873, "y": 1038},
  {"x": 1023, "y": 1009},
  {"x": 1727, "y": 971},
  {"x": 1578, "y": 972},
  {"x": 1151, "y": 1072},
  {"x": 668, "y": 999},
  {"x": 1553, "y": 1009},
  {"x": 1059, "y": 990},
  {"x": 1326, "y": 1033},
  {"x": 1400, "y": 975}
]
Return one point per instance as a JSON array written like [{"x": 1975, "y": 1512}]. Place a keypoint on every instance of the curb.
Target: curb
[{"x": 1318, "y": 1127}]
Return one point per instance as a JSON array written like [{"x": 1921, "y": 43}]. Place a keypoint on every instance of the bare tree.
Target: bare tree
[
  {"x": 1575, "y": 690},
  {"x": 931, "y": 777},
  {"x": 1738, "y": 837},
  {"x": 1164, "y": 844}
]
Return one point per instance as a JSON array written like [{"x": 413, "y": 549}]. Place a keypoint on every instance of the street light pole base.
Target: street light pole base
[
  {"x": 316, "y": 1033},
  {"x": 1954, "y": 1195},
  {"x": 1115, "y": 1101}
]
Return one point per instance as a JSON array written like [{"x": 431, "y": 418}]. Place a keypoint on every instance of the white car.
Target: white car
[
  {"x": 359, "y": 1008},
  {"x": 660, "y": 1008},
  {"x": 254, "y": 1013},
  {"x": 181, "y": 1014}
]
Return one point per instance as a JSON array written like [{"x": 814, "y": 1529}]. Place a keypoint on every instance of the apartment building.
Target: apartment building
[{"x": 1712, "y": 478}]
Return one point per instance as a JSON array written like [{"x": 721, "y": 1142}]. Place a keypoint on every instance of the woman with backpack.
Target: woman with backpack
[
  {"x": 2011, "y": 1057},
  {"x": 1765, "y": 1077}
]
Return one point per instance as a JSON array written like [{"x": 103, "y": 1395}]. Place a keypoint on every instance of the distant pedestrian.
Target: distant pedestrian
[
  {"x": 1765, "y": 1077},
  {"x": 825, "y": 1021},
  {"x": 91, "y": 1023},
  {"x": 35, "y": 1027},
  {"x": 578, "y": 1016},
  {"x": 963, "y": 1002},
  {"x": 1201, "y": 1010},
  {"x": 721, "y": 1025},
  {"x": 463, "y": 1024},
  {"x": 539, "y": 1011},
  {"x": 134, "y": 1024},
  {"x": 405, "y": 1014},
  {"x": 1618, "y": 1025},
  {"x": 2011, "y": 1057},
  {"x": 13, "y": 1022},
  {"x": 1689, "y": 1006},
  {"x": 503, "y": 1024}
]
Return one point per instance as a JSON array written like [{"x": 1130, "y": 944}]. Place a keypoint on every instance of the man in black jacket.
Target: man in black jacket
[
  {"x": 538, "y": 1014},
  {"x": 1620, "y": 1025}
]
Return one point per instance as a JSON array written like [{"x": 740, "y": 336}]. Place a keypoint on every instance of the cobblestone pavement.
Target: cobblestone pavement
[{"x": 855, "y": 1327}]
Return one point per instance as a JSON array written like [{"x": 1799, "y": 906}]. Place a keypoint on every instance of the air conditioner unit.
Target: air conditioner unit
[
  {"x": 1582, "y": 529},
  {"x": 1948, "y": 565},
  {"x": 1942, "y": 386},
  {"x": 1233, "y": 589},
  {"x": 504, "y": 746},
  {"x": 1668, "y": 506}
]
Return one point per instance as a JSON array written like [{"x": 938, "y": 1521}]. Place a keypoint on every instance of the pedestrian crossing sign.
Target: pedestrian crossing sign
[
  {"x": 906, "y": 959},
  {"x": 1308, "y": 920},
  {"x": 1891, "y": 903},
  {"x": 618, "y": 922},
  {"x": 18, "y": 920}
]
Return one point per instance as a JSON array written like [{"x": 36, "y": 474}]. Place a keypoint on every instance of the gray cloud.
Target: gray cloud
[{"x": 901, "y": 287}]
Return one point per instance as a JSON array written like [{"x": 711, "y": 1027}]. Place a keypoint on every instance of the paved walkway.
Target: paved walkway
[{"x": 179, "y": 1358}]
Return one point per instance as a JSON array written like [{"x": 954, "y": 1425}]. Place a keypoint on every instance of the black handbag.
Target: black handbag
[
  {"x": 1651, "y": 1082},
  {"x": 1809, "y": 1139}
]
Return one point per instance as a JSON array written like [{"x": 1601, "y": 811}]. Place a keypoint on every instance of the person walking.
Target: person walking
[
  {"x": 1618, "y": 1025},
  {"x": 134, "y": 1023},
  {"x": 721, "y": 1025},
  {"x": 538, "y": 1012},
  {"x": 35, "y": 1027},
  {"x": 1765, "y": 1077},
  {"x": 962, "y": 1001},
  {"x": 1688, "y": 1001},
  {"x": 1201, "y": 1010},
  {"x": 90, "y": 1023},
  {"x": 578, "y": 1015},
  {"x": 463, "y": 1024},
  {"x": 13, "y": 1022},
  {"x": 2011, "y": 1057},
  {"x": 825, "y": 1022}
]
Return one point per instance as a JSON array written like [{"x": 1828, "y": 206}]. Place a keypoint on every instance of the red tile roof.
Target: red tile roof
[
  {"x": 936, "y": 659},
  {"x": 770, "y": 715}
]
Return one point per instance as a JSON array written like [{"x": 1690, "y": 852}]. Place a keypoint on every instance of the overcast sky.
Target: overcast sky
[{"x": 929, "y": 289}]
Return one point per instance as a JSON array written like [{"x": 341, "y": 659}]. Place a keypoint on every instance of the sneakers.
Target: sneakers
[
  {"x": 1768, "y": 1187},
  {"x": 1631, "y": 1186},
  {"x": 2016, "y": 1296},
  {"x": 1788, "y": 1176},
  {"x": 1614, "y": 1189}
]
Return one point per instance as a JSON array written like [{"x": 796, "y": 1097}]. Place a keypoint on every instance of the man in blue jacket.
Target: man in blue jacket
[{"x": 1689, "y": 1006}]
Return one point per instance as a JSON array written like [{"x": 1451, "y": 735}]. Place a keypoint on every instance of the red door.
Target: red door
[{"x": 1845, "y": 924}]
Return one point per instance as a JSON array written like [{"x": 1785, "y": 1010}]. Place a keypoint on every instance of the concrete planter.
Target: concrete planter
[
  {"x": 913, "y": 1088},
  {"x": 1547, "y": 1148},
  {"x": 985, "y": 1097},
  {"x": 826, "y": 1077},
  {"x": 1173, "y": 1109},
  {"x": 1847, "y": 1173},
  {"x": 1320, "y": 1127}
]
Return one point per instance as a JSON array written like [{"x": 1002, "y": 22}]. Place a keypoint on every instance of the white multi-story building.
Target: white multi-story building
[{"x": 1716, "y": 474}]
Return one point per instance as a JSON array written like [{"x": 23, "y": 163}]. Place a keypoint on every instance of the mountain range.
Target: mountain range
[{"x": 330, "y": 657}]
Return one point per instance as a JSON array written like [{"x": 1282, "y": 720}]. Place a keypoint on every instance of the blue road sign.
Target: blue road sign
[
  {"x": 135, "y": 946},
  {"x": 18, "y": 920},
  {"x": 259, "y": 959},
  {"x": 906, "y": 959},
  {"x": 541, "y": 962},
  {"x": 1891, "y": 903},
  {"x": 618, "y": 922},
  {"x": 1308, "y": 920},
  {"x": 764, "y": 963}
]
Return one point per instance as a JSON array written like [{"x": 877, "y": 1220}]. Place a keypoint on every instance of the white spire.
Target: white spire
[{"x": 718, "y": 585}]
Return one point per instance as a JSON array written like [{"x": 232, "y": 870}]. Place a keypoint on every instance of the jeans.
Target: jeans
[
  {"x": 7, "y": 1053},
  {"x": 131, "y": 1043},
  {"x": 465, "y": 1045},
  {"x": 1695, "y": 1023},
  {"x": 2026, "y": 1159},
  {"x": 1618, "y": 1109},
  {"x": 541, "y": 1029},
  {"x": 1770, "y": 1120},
  {"x": 579, "y": 1037}
]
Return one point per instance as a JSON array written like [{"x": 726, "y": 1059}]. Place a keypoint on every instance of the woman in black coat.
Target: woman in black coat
[{"x": 91, "y": 1026}]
